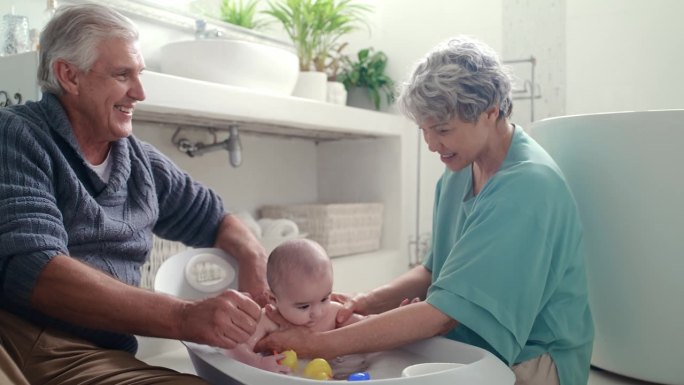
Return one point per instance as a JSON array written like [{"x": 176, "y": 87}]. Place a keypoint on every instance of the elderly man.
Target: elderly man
[{"x": 80, "y": 198}]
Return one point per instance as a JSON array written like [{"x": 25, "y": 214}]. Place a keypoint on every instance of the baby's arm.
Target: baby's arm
[
  {"x": 245, "y": 355},
  {"x": 245, "y": 351},
  {"x": 264, "y": 326}
]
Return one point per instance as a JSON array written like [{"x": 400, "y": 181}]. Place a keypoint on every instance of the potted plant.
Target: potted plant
[
  {"x": 242, "y": 14},
  {"x": 368, "y": 72},
  {"x": 315, "y": 27},
  {"x": 337, "y": 93}
]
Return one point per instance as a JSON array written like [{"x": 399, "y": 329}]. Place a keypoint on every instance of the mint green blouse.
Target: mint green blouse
[{"x": 508, "y": 264}]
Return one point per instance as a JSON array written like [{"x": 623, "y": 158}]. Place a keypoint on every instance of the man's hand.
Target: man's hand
[
  {"x": 223, "y": 321},
  {"x": 235, "y": 238},
  {"x": 251, "y": 281}
]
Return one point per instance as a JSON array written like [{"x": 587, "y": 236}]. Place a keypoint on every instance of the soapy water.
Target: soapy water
[
  {"x": 343, "y": 366},
  {"x": 381, "y": 365},
  {"x": 391, "y": 363}
]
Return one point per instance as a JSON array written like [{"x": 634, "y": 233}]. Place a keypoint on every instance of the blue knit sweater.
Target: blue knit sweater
[{"x": 52, "y": 202}]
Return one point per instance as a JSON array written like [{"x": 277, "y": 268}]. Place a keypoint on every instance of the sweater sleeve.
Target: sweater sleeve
[
  {"x": 31, "y": 230},
  {"x": 189, "y": 212}
]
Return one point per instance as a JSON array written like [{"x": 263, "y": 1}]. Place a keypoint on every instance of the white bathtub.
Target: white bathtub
[
  {"x": 626, "y": 172},
  {"x": 479, "y": 366}
]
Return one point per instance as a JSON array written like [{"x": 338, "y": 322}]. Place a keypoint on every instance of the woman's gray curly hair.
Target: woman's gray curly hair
[
  {"x": 73, "y": 35},
  {"x": 460, "y": 77}
]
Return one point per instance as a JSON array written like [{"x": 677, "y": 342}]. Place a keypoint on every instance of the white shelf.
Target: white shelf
[{"x": 181, "y": 101}]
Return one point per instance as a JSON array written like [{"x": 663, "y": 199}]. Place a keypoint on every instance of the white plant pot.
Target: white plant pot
[
  {"x": 337, "y": 94},
  {"x": 311, "y": 85}
]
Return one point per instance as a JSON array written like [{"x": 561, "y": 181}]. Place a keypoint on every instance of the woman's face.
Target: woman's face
[{"x": 457, "y": 142}]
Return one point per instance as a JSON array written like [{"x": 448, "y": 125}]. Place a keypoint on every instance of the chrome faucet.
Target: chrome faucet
[{"x": 201, "y": 31}]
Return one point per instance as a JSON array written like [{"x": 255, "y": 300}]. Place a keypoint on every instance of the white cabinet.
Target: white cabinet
[{"x": 18, "y": 78}]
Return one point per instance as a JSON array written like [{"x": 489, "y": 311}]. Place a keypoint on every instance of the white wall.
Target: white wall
[
  {"x": 273, "y": 170},
  {"x": 406, "y": 29},
  {"x": 536, "y": 28},
  {"x": 624, "y": 55}
]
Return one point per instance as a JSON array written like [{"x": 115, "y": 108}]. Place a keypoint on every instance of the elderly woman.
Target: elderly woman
[{"x": 506, "y": 270}]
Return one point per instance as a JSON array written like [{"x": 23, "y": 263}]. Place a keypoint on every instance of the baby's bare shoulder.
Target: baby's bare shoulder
[
  {"x": 265, "y": 324},
  {"x": 336, "y": 306}
]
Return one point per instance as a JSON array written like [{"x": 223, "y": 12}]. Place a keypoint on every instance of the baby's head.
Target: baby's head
[{"x": 300, "y": 277}]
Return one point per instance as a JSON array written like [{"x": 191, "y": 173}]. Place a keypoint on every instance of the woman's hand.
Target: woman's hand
[
  {"x": 358, "y": 304},
  {"x": 407, "y": 301},
  {"x": 290, "y": 337},
  {"x": 412, "y": 284}
]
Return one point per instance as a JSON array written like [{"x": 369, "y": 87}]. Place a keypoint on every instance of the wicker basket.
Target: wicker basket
[
  {"x": 162, "y": 249},
  {"x": 340, "y": 228}
]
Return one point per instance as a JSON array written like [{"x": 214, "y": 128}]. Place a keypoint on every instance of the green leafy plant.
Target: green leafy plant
[
  {"x": 241, "y": 14},
  {"x": 368, "y": 71},
  {"x": 315, "y": 26}
]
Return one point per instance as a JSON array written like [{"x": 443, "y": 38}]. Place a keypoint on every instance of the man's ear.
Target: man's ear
[{"x": 67, "y": 76}]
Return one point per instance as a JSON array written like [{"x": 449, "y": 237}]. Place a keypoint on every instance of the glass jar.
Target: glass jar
[{"x": 15, "y": 34}]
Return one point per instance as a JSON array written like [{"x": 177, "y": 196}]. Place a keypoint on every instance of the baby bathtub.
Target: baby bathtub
[{"x": 198, "y": 273}]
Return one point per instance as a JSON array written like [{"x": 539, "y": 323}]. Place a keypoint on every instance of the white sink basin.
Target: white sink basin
[{"x": 256, "y": 66}]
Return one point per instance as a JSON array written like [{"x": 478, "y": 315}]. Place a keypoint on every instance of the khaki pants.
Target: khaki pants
[
  {"x": 33, "y": 355},
  {"x": 537, "y": 371}
]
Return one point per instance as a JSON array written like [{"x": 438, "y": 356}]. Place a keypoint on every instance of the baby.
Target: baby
[{"x": 300, "y": 279}]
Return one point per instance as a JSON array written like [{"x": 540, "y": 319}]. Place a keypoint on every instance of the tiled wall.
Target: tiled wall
[{"x": 537, "y": 28}]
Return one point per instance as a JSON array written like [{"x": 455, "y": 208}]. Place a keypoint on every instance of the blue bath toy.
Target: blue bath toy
[{"x": 360, "y": 376}]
